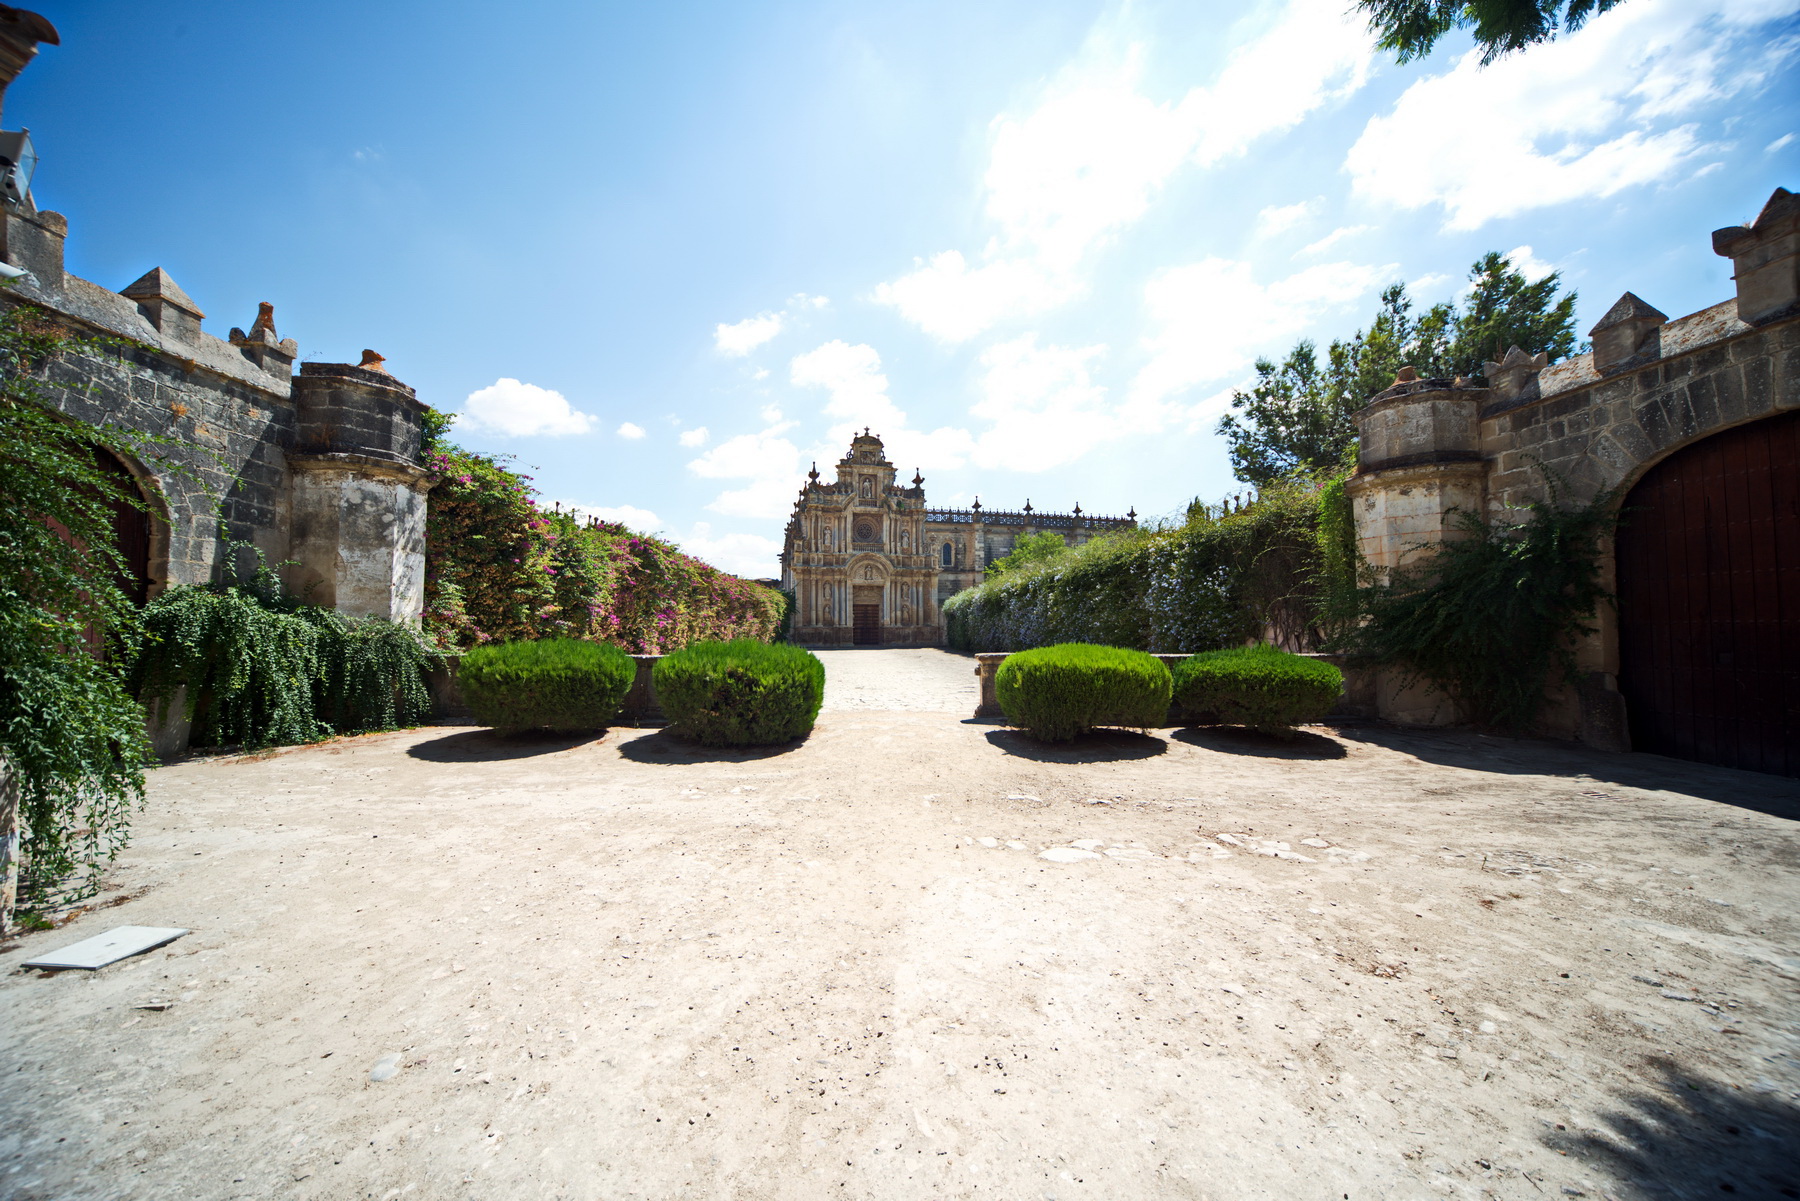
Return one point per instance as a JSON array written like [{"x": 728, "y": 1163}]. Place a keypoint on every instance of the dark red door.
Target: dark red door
[
  {"x": 868, "y": 625},
  {"x": 1709, "y": 601}
]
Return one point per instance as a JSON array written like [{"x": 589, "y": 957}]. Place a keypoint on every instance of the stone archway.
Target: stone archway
[{"x": 1708, "y": 560}]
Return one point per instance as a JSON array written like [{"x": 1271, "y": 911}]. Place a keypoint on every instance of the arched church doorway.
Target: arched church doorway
[
  {"x": 1709, "y": 600},
  {"x": 865, "y": 608}
]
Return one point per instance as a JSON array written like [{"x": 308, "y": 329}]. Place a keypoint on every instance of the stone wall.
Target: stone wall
[
  {"x": 1576, "y": 431},
  {"x": 317, "y": 471},
  {"x": 222, "y": 419}
]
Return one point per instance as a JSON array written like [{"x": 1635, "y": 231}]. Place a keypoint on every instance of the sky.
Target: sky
[{"x": 668, "y": 256}]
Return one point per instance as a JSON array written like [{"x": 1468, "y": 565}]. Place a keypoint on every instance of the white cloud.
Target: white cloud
[
  {"x": 1093, "y": 154},
  {"x": 1778, "y": 143},
  {"x": 852, "y": 377},
  {"x": 768, "y": 463},
  {"x": 745, "y": 336},
  {"x": 1428, "y": 285},
  {"x": 631, "y": 431},
  {"x": 1212, "y": 318},
  {"x": 953, "y": 302},
  {"x": 1585, "y": 116},
  {"x": 770, "y": 414},
  {"x": 750, "y": 555},
  {"x": 630, "y": 516},
  {"x": 800, "y": 300},
  {"x": 1333, "y": 238},
  {"x": 694, "y": 437},
  {"x": 749, "y": 455},
  {"x": 1043, "y": 407},
  {"x": 1527, "y": 263},
  {"x": 1277, "y": 219},
  {"x": 522, "y": 410}
]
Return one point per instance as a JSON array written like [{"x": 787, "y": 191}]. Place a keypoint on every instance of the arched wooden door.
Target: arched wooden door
[
  {"x": 131, "y": 529},
  {"x": 1709, "y": 601}
]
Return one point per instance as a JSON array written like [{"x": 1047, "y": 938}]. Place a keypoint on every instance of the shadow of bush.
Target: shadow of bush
[
  {"x": 486, "y": 746},
  {"x": 1235, "y": 740},
  {"x": 1101, "y": 746},
  {"x": 1687, "y": 1136},
  {"x": 668, "y": 746}
]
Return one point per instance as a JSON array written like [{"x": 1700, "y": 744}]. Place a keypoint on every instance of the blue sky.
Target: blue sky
[{"x": 669, "y": 255}]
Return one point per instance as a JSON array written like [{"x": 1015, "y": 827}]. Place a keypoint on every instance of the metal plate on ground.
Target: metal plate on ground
[{"x": 121, "y": 942}]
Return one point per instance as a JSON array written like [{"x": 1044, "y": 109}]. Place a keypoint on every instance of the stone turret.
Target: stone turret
[
  {"x": 164, "y": 305},
  {"x": 1765, "y": 259},
  {"x": 358, "y": 491},
  {"x": 1628, "y": 336}
]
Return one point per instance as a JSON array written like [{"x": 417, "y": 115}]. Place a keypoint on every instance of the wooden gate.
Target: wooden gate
[
  {"x": 866, "y": 611},
  {"x": 1709, "y": 601},
  {"x": 868, "y": 625}
]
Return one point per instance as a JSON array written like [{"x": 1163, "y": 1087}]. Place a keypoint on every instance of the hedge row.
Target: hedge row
[
  {"x": 500, "y": 568},
  {"x": 741, "y": 693},
  {"x": 1057, "y": 692},
  {"x": 1222, "y": 578},
  {"x": 552, "y": 684},
  {"x": 737, "y": 693}
]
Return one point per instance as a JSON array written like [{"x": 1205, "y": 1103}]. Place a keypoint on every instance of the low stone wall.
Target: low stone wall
[
  {"x": 641, "y": 706},
  {"x": 1358, "y": 699}
]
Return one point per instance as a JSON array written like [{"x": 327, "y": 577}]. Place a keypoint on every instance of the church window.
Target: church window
[
  {"x": 947, "y": 555},
  {"x": 865, "y": 532}
]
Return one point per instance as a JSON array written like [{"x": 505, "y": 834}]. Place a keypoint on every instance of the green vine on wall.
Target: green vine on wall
[
  {"x": 255, "y": 667},
  {"x": 1492, "y": 616},
  {"x": 69, "y": 727}
]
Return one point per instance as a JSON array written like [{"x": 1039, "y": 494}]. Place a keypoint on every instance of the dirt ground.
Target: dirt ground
[{"x": 917, "y": 956}]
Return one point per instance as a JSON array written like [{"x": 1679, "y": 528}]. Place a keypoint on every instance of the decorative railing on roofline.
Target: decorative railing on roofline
[{"x": 1046, "y": 521}]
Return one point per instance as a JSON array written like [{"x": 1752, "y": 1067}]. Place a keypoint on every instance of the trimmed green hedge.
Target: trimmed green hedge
[
  {"x": 741, "y": 693},
  {"x": 1257, "y": 686},
  {"x": 1057, "y": 692},
  {"x": 555, "y": 684}
]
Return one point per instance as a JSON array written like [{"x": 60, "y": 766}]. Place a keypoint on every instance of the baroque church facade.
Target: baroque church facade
[{"x": 869, "y": 563}]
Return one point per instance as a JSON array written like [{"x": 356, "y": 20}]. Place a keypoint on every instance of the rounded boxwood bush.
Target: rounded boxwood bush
[
  {"x": 741, "y": 693},
  {"x": 555, "y": 684},
  {"x": 1057, "y": 692},
  {"x": 1257, "y": 686}
]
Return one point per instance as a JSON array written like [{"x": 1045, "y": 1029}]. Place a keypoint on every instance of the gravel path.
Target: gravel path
[
  {"x": 921, "y": 680},
  {"x": 920, "y": 957}
]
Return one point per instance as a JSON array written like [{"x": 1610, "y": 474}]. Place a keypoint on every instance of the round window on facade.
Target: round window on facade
[{"x": 865, "y": 531}]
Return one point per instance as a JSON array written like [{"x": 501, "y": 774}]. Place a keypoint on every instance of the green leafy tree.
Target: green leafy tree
[
  {"x": 1410, "y": 28},
  {"x": 1506, "y": 309},
  {"x": 1298, "y": 417},
  {"x": 1028, "y": 550}
]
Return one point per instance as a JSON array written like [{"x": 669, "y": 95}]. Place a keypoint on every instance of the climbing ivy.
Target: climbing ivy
[
  {"x": 68, "y": 726},
  {"x": 255, "y": 667},
  {"x": 1492, "y": 616}
]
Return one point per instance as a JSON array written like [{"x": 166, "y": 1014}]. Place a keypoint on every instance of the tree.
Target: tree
[
  {"x": 1028, "y": 550},
  {"x": 1291, "y": 422},
  {"x": 1411, "y": 28},
  {"x": 1298, "y": 418},
  {"x": 1506, "y": 309}
]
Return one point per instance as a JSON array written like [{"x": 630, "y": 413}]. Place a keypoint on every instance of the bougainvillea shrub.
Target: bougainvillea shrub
[{"x": 500, "y": 568}]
